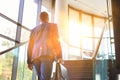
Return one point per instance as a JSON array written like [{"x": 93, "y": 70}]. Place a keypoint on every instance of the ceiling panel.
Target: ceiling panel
[{"x": 98, "y": 7}]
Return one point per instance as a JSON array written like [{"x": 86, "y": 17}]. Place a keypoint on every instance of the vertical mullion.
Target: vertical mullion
[
  {"x": 80, "y": 18},
  {"x": 18, "y": 34},
  {"x": 93, "y": 33},
  {"x": 53, "y": 10},
  {"x": 39, "y": 3}
]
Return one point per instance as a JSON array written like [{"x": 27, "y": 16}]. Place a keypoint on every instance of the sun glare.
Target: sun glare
[
  {"x": 77, "y": 32},
  {"x": 74, "y": 33},
  {"x": 86, "y": 30}
]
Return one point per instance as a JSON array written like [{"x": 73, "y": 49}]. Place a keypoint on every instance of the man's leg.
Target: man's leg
[
  {"x": 37, "y": 65},
  {"x": 46, "y": 69}
]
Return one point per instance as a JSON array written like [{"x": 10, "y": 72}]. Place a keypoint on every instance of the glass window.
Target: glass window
[
  {"x": 7, "y": 28},
  {"x": 5, "y": 44},
  {"x": 47, "y": 6},
  {"x": 10, "y": 8},
  {"x": 25, "y": 35},
  {"x": 111, "y": 29},
  {"x": 86, "y": 25},
  {"x": 30, "y": 14},
  {"x": 87, "y": 32},
  {"x": 84, "y": 35},
  {"x": 99, "y": 23},
  {"x": 6, "y": 66},
  {"x": 23, "y": 71},
  {"x": 98, "y": 26},
  {"x": 74, "y": 34},
  {"x": 74, "y": 28},
  {"x": 74, "y": 53}
]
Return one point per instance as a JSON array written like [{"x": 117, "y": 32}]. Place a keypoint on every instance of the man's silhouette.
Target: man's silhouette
[{"x": 44, "y": 47}]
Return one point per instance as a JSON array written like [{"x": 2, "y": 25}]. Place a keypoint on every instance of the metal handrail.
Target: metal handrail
[
  {"x": 8, "y": 38},
  {"x": 16, "y": 46},
  {"x": 13, "y": 21},
  {"x": 98, "y": 45}
]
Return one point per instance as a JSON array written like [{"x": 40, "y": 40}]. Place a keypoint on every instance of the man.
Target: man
[{"x": 44, "y": 47}]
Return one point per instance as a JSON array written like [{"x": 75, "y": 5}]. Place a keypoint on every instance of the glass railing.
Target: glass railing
[{"x": 104, "y": 55}]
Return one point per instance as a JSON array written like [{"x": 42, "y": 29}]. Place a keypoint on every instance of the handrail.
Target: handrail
[
  {"x": 17, "y": 23},
  {"x": 98, "y": 45},
  {"x": 17, "y": 45},
  {"x": 8, "y": 38}
]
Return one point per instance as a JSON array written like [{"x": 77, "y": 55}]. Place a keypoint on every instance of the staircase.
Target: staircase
[{"x": 79, "y": 69}]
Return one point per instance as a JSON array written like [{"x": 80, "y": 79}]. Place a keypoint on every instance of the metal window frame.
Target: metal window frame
[{"x": 18, "y": 34}]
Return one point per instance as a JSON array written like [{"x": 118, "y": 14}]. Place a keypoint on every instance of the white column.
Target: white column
[{"x": 61, "y": 18}]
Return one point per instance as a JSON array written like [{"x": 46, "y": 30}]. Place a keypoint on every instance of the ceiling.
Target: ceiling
[{"x": 98, "y": 7}]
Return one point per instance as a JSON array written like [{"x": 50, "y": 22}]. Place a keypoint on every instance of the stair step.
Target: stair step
[
  {"x": 81, "y": 79},
  {"x": 79, "y": 69}
]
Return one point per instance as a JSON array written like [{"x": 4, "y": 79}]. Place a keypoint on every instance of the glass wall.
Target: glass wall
[
  {"x": 30, "y": 13},
  {"x": 84, "y": 33},
  {"x": 30, "y": 18},
  {"x": 10, "y": 8},
  {"x": 8, "y": 29},
  {"x": 6, "y": 65},
  {"x": 5, "y": 44},
  {"x": 23, "y": 73},
  {"x": 87, "y": 34},
  {"x": 74, "y": 34}
]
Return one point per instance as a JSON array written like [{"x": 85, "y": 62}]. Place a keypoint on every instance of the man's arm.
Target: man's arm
[
  {"x": 56, "y": 41},
  {"x": 29, "y": 51}
]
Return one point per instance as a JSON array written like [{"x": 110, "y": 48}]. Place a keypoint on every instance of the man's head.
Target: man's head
[{"x": 44, "y": 17}]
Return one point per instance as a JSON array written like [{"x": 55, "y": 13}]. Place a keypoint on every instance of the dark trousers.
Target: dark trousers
[{"x": 43, "y": 68}]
